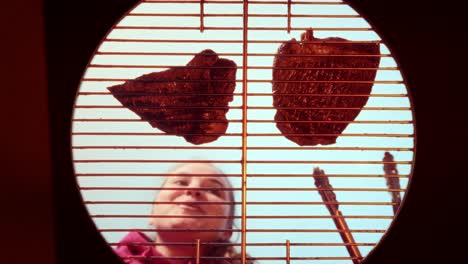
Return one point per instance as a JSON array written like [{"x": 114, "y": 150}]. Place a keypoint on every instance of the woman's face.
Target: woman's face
[{"x": 184, "y": 203}]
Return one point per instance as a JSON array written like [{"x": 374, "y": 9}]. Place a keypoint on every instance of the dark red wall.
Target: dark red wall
[{"x": 26, "y": 213}]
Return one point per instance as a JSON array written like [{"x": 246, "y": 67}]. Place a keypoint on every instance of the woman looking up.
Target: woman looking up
[{"x": 196, "y": 203}]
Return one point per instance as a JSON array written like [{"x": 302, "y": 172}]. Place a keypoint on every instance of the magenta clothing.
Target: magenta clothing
[{"x": 125, "y": 249}]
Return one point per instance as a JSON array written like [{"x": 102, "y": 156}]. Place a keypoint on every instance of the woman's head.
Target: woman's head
[{"x": 194, "y": 208}]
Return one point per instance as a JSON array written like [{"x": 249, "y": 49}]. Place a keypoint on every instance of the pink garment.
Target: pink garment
[{"x": 132, "y": 253}]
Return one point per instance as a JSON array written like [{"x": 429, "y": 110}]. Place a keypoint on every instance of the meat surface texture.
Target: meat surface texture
[
  {"x": 189, "y": 101},
  {"x": 320, "y": 86}
]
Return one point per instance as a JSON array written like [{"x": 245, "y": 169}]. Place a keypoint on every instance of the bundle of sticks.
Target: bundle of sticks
[
  {"x": 393, "y": 182},
  {"x": 325, "y": 190}
]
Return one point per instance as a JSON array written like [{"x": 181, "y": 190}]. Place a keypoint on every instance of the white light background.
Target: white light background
[{"x": 299, "y": 154}]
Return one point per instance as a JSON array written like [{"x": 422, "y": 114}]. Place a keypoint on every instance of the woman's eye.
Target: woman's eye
[
  {"x": 216, "y": 191},
  {"x": 181, "y": 182}
]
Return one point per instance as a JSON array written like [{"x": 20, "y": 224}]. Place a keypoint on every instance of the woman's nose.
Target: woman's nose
[{"x": 193, "y": 191}]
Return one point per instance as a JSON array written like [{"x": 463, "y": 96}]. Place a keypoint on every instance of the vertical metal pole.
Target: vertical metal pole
[
  {"x": 202, "y": 15},
  {"x": 244, "y": 130},
  {"x": 289, "y": 16},
  {"x": 198, "y": 252},
  {"x": 288, "y": 252}
]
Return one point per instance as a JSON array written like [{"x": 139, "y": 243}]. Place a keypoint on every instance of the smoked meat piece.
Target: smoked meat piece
[
  {"x": 189, "y": 101},
  {"x": 318, "y": 87}
]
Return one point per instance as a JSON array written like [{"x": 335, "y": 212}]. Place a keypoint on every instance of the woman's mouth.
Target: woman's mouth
[{"x": 190, "y": 207}]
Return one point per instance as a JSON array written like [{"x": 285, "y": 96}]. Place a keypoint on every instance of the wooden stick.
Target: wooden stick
[{"x": 328, "y": 196}]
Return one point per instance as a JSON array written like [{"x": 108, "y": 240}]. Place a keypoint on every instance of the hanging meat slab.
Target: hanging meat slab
[
  {"x": 189, "y": 101},
  {"x": 308, "y": 90}
]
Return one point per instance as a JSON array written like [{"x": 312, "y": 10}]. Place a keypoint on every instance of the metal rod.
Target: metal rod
[
  {"x": 288, "y": 252},
  {"x": 296, "y": 3},
  {"x": 230, "y": 258},
  {"x": 248, "y": 244},
  {"x": 249, "y": 94},
  {"x": 240, "y": 189},
  {"x": 192, "y": 1},
  {"x": 255, "y": 175},
  {"x": 305, "y": 258},
  {"x": 228, "y": 81},
  {"x": 262, "y": 54},
  {"x": 240, "y": 230},
  {"x": 115, "y": 147},
  {"x": 248, "y": 107},
  {"x": 233, "y": 41},
  {"x": 167, "y": 107},
  {"x": 329, "y": 135},
  {"x": 328, "y": 108},
  {"x": 172, "y": 40},
  {"x": 202, "y": 15},
  {"x": 151, "y": 134},
  {"x": 240, "y": 161},
  {"x": 256, "y": 54},
  {"x": 241, "y": 2},
  {"x": 245, "y": 20},
  {"x": 239, "y": 134},
  {"x": 155, "y": 147},
  {"x": 289, "y": 28},
  {"x": 386, "y": 122},
  {"x": 248, "y": 203},
  {"x": 332, "y": 122},
  {"x": 113, "y": 66},
  {"x": 324, "y": 162},
  {"x": 330, "y": 148},
  {"x": 240, "y": 15},
  {"x": 329, "y": 175},
  {"x": 289, "y": 21},
  {"x": 240, "y": 217},
  {"x": 173, "y": 54},
  {"x": 96, "y": 188},
  {"x": 197, "y": 261},
  {"x": 154, "y": 202},
  {"x": 140, "y": 120},
  {"x": 308, "y": 244}
]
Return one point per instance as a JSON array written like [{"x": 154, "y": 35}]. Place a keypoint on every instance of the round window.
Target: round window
[{"x": 256, "y": 131}]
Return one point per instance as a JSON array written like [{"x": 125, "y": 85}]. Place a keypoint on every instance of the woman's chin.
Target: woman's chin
[
  {"x": 187, "y": 223},
  {"x": 189, "y": 229}
]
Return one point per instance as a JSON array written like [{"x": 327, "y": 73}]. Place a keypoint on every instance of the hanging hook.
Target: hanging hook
[
  {"x": 289, "y": 16},
  {"x": 202, "y": 15}
]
